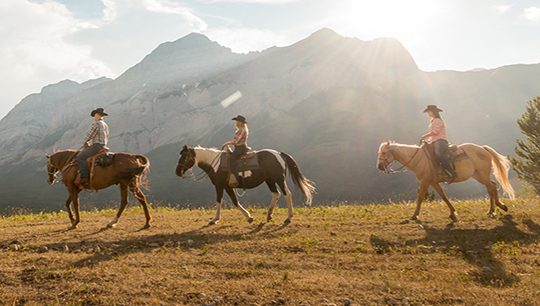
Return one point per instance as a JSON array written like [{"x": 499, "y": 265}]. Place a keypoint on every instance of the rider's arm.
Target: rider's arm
[
  {"x": 91, "y": 133},
  {"x": 435, "y": 128}
]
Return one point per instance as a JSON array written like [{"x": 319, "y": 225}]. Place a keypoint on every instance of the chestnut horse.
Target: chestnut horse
[
  {"x": 127, "y": 170},
  {"x": 480, "y": 162}
]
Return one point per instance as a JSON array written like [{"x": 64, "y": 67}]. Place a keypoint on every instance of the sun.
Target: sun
[{"x": 401, "y": 19}]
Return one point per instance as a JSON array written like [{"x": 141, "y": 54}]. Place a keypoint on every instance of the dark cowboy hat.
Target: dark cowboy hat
[
  {"x": 433, "y": 108},
  {"x": 240, "y": 118},
  {"x": 98, "y": 111}
]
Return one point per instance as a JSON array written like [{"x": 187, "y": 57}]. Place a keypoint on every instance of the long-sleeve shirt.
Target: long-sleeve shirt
[
  {"x": 437, "y": 128},
  {"x": 98, "y": 133},
  {"x": 241, "y": 136}
]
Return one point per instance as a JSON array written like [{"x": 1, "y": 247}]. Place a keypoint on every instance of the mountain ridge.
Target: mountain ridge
[{"x": 322, "y": 98}]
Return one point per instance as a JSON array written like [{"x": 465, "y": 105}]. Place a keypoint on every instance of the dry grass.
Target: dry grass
[{"x": 364, "y": 254}]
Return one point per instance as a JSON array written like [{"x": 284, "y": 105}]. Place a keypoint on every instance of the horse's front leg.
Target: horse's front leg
[
  {"x": 219, "y": 199},
  {"x": 68, "y": 208},
  {"x": 420, "y": 198},
  {"x": 76, "y": 205},
  {"x": 232, "y": 195}
]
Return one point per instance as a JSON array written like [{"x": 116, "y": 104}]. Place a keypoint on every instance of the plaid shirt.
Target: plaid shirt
[{"x": 98, "y": 133}]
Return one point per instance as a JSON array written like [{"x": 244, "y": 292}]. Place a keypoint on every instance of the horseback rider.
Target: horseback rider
[
  {"x": 95, "y": 140},
  {"x": 437, "y": 136},
  {"x": 240, "y": 145}
]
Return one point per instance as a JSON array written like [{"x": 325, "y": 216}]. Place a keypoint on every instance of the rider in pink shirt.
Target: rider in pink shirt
[{"x": 437, "y": 136}]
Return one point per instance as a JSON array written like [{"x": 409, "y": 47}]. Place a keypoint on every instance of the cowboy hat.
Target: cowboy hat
[
  {"x": 98, "y": 111},
  {"x": 432, "y": 108},
  {"x": 240, "y": 118}
]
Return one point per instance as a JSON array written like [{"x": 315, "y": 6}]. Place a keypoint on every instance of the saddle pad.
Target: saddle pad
[{"x": 244, "y": 164}]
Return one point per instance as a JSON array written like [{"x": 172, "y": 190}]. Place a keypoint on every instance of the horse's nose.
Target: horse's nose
[{"x": 380, "y": 166}]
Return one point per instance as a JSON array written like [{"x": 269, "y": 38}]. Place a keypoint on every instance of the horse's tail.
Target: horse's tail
[
  {"x": 141, "y": 172},
  {"x": 306, "y": 186},
  {"x": 501, "y": 166}
]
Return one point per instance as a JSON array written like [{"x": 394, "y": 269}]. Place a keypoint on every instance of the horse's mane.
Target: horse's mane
[
  {"x": 207, "y": 149},
  {"x": 60, "y": 158},
  {"x": 401, "y": 145}
]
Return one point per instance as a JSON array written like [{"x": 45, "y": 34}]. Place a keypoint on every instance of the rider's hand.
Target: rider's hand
[{"x": 86, "y": 145}]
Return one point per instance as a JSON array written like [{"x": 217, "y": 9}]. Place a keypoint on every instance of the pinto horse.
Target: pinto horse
[
  {"x": 272, "y": 170},
  {"x": 127, "y": 170},
  {"x": 480, "y": 162}
]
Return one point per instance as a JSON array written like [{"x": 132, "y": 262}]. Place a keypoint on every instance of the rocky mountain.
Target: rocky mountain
[{"x": 328, "y": 100}]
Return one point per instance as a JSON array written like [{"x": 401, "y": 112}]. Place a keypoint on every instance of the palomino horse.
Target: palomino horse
[
  {"x": 126, "y": 170},
  {"x": 272, "y": 170},
  {"x": 479, "y": 163}
]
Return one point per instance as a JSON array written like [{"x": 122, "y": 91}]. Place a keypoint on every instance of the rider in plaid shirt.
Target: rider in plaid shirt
[{"x": 95, "y": 140}]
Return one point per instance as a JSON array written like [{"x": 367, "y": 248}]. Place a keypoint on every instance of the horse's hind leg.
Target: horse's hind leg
[
  {"x": 497, "y": 200},
  {"x": 123, "y": 204},
  {"x": 231, "y": 194},
  {"x": 491, "y": 189},
  {"x": 142, "y": 199},
  {"x": 273, "y": 202},
  {"x": 288, "y": 198},
  {"x": 443, "y": 196}
]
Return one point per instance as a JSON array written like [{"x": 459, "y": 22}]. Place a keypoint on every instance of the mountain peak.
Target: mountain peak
[{"x": 326, "y": 33}]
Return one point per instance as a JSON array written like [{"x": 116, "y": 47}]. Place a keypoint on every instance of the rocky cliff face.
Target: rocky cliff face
[{"x": 328, "y": 100}]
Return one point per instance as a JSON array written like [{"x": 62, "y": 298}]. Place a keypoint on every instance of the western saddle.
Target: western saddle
[{"x": 101, "y": 158}]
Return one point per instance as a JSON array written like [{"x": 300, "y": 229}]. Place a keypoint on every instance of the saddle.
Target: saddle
[
  {"x": 455, "y": 154},
  {"x": 246, "y": 162},
  {"x": 102, "y": 158}
]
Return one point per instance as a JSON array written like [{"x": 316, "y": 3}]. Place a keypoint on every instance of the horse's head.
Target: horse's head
[
  {"x": 385, "y": 156},
  {"x": 186, "y": 160},
  {"x": 51, "y": 170}
]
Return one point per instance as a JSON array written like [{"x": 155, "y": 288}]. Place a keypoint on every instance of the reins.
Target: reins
[{"x": 402, "y": 169}]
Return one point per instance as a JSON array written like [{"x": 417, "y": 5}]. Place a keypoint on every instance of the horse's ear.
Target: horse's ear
[
  {"x": 47, "y": 156},
  {"x": 184, "y": 147}
]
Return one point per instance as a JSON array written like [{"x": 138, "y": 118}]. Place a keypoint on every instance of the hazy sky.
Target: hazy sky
[{"x": 45, "y": 41}]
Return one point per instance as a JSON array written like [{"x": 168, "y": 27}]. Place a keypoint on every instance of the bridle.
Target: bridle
[
  {"x": 53, "y": 173},
  {"x": 387, "y": 164},
  {"x": 195, "y": 177}
]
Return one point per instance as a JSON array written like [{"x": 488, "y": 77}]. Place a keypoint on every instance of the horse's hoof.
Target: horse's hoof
[
  {"x": 453, "y": 217},
  {"x": 268, "y": 219},
  {"x": 111, "y": 225},
  {"x": 414, "y": 218},
  {"x": 250, "y": 220},
  {"x": 213, "y": 222},
  {"x": 287, "y": 222},
  {"x": 72, "y": 227},
  {"x": 147, "y": 226},
  {"x": 503, "y": 207},
  {"x": 491, "y": 215}
]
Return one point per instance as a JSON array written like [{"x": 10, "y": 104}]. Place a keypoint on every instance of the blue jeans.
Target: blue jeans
[
  {"x": 441, "y": 151},
  {"x": 235, "y": 156},
  {"x": 84, "y": 154}
]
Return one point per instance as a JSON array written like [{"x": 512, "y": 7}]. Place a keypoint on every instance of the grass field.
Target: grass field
[{"x": 329, "y": 255}]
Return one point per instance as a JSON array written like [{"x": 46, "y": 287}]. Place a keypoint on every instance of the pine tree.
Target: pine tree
[{"x": 527, "y": 164}]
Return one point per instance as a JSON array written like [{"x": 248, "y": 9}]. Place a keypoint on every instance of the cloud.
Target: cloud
[
  {"x": 502, "y": 8},
  {"x": 35, "y": 51},
  {"x": 254, "y": 1},
  {"x": 43, "y": 42},
  {"x": 532, "y": 13}
]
